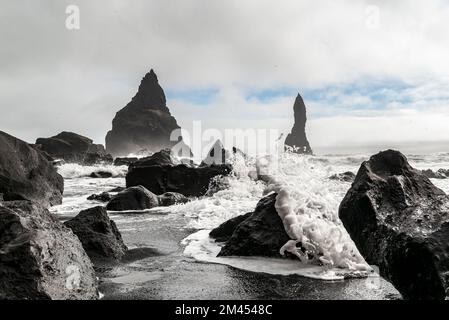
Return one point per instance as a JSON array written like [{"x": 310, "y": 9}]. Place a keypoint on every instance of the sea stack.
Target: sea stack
[
  {"x": 145, "y": 122},
  {"x": 297, "y": 138}
]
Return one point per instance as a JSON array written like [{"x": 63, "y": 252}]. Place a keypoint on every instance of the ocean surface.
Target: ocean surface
[{"x": 179, "y": 246}]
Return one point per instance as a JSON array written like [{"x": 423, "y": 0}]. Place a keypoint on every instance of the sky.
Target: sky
[{"x": 373, "y": 74}]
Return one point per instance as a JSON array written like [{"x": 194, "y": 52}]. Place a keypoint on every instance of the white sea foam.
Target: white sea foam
[{"x": 73, "y": 170}]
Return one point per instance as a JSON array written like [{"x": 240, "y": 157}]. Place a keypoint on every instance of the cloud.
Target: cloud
[{"x": 229, "y": 63}]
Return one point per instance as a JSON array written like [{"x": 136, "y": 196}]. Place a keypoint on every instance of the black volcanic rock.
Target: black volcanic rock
[
  {"x": 98, "y": 234},
  {"x": 133, "y": 198},
  {"x": 439, "y": 174},
  {"x": 400, "y": 222},
  {"x": 40, "y": 258},
  {"x": 102, "y": 197},
  {"x": 347, "y": 176},
  {"x": 262, "y": 233},
  {"x": 297, "y": 138},
  {"x": 171, "y": 198},
  {"x": 72, "y": 147},
  {"x": 124, "y": 161},
  {"x": 225, "y": 230},
  {"x": 27, "y": 174},
  {"x": 101, "y": 174},
  {"x": 144, "y": 123},
  {"x": 160, "y": 173}
]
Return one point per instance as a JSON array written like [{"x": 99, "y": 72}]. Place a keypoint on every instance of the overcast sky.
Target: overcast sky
[{"x": 371, "y": 72}]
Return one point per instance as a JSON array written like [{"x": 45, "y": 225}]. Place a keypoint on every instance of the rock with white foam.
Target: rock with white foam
[{"x": 400, "y": 222}]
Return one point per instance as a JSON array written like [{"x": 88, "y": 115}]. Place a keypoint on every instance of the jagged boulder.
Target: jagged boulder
[
  {"x": 27, "y": 173},
  {"x": 160, "y": 173},
  {"x": 439, "y": 174},
  {"x": 133, "y": 198},
  {"x": 40, "y": 258},
  {"x": 297, "y": 139},
  {"x": 400, "y": 222},
  {"x": 144, "y": 123},
  {"x": 260, "y": 233},
  {"x": 72, "y": 147},
  {"x": 98, "y": 234}
]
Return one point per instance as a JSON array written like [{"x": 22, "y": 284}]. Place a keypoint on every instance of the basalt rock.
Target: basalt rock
[
  {"x": 98, "y": 234},
  {"x": 345, "y": 176},
  {"x": 260, "y": 233},
  {"x": 27, "y": 174},
  {"x": 133, "y": 198},
  {"x": 40, "y": 258},
  {"x": 160, "y": 173},
  {"x": 400, "y": 222},
  {"x": 171, "y": 198},
  {"x": 102, "y": 197},
  {"x": 297, "y": 138},
  {"x": 125, "y": 161},
  {"x": 101, "y": 174},
  {"x": 72, "y": 147},
  {"x": 439, "y": 174},
  {"x": 144, "y": 123},
  {"x": 219, "y": 155}
]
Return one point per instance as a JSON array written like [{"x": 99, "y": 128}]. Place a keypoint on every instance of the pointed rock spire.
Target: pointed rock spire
[
  {"x": 144, "y": 123},
  {"x": 297, "y": 139}
]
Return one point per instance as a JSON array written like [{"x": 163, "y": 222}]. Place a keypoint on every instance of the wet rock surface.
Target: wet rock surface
[
  {"x": 27, "y": 174},
  {"x": 260, "y": 234},
  {"x": 40, "y": 258},
  {"x": 133, "y": 198},
  {"x": 98, "y": 234},
  {"x": 400, "y": 222}
]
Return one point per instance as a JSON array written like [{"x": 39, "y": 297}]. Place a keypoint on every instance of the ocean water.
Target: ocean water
[{"x": 307, "y": 202}]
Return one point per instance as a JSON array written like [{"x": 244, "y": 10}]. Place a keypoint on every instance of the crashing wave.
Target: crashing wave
[{"x": 74, "y": 170}]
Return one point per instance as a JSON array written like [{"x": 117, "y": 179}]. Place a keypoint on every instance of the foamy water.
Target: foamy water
[{"x": 307, "y": 202}]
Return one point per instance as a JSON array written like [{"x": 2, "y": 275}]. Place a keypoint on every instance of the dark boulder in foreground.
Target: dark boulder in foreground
[
  {"x": 102, "y": 197},
  {"x": 347, "y": 176},
  {"x": 27, "y": 173},
  {"x": 160, "y": 173},
  {"x": 40, "y": 258},
  {"x": 400, "y": 222},
  {"x": 171, "y": 198},
  {"x": 439, "y": 174},
  {"x": 262, "y": 233},
  {"x": 225, "y": 230},
  {"x": 98, "y": 234},
  {"x": 144, "y": 123},
  {"x": 133, "y": 198},
  {"x": 124, "y": 161},
  {"x": 297, "y": 139},
  {"x": 72, "y": 147}
]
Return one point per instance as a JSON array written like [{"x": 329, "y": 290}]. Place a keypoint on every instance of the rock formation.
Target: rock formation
[
  {"x": 297, "y": 138},
  {"x": 400, "y": 222},
  {"x": 40, "y": 258},
  {"x": 144, "y": 123},
  {"x": 160, "y": 173},
  {"x": 98, "y": 234},
  {"x": 439, "y": 174},
  {"x": 219, "y": 155},
  {"x": 347, "y": 176},
  {"x": 260, "y": 233},
  {"x": 102, "y": 197},
  {"x": 171, "y": 198},
  {"x": 27, "y": 174},
  {"x": 72, "y": 147},
  {"x": 133, "y": 198}
]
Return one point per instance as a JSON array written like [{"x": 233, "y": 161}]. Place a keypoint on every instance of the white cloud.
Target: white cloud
[{"x": 53, "y": 79}]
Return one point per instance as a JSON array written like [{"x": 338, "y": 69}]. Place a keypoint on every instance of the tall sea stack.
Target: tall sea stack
[
  {"x": 145, "y": 122},
  {"x": 297, "y": 138}
]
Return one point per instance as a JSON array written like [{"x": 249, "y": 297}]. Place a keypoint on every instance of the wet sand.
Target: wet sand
[{"x": 155, "y": 268}]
